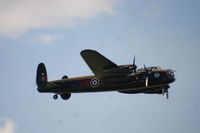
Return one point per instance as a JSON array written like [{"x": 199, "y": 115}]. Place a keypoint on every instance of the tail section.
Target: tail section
[{"x": 41, "y": 78}]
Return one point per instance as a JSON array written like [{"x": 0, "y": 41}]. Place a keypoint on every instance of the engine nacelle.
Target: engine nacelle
[{"x": 119, "y": 70}]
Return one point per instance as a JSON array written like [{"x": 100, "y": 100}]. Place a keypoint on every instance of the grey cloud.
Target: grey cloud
[{"x": 19, "y": 16}]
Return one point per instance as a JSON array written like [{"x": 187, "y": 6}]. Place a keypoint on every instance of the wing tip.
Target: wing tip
[{"x": 87, "y": 51}]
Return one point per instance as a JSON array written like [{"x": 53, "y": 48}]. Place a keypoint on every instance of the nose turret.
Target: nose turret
[{"x": 171, "y": 75}]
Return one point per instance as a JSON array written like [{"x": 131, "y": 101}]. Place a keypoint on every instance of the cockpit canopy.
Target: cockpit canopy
[{"x": 154, "y": 68}]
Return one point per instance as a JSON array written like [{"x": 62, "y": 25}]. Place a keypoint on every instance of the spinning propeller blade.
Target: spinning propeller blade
[
  {"x": 134, "y": 65},
  {"x": 146, "y": 81},
  {"x": 147, "y": 73},
  {"x": 145, "y": 68}
]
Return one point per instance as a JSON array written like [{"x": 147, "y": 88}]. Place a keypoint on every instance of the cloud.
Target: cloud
[
  {"x": 19, "y": 16},
  {"x": 47, "y": 38},
  {"x": 153, "y": 12},
  {"x": 9, "y": 126}
]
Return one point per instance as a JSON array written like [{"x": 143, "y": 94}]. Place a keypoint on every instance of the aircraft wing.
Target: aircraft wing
[{"x": 97, "y": 62}]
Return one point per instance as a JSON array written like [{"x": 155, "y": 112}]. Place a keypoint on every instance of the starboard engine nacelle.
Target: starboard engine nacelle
[{"x": 119, "y": 70}]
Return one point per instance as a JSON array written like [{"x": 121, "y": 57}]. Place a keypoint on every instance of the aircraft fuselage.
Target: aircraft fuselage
[{"x": 116, "y": 83}]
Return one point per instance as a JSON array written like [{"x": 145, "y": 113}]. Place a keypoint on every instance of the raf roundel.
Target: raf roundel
[
  {"x": 94, "y": 82},
  {"x": 157, "y": 75}
]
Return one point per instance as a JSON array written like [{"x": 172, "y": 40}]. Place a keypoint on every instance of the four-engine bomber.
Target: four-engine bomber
[{"x": 108, "y": 77}]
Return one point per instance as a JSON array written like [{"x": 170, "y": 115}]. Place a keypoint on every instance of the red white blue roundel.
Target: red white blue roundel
[
  {"x": 94, "y": 82},
  {"x": 157, "y": 75}
]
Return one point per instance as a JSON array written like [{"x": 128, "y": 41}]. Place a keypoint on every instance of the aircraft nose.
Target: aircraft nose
[{"x": 171, "y": 75}]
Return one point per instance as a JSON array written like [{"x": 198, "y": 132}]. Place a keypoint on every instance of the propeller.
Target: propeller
[
  {"x": 147, "y": 78},
  {"x": 146, "y": 81},
  {"x": 134, "y": 65},
  {"x": 147, "y": 72}
]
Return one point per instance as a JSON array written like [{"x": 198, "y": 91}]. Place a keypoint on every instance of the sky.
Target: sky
[{"x": 158, "y": 32}]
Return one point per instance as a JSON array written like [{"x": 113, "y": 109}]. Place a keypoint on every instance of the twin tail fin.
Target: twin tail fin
[{"x": 41, "y": 77}]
